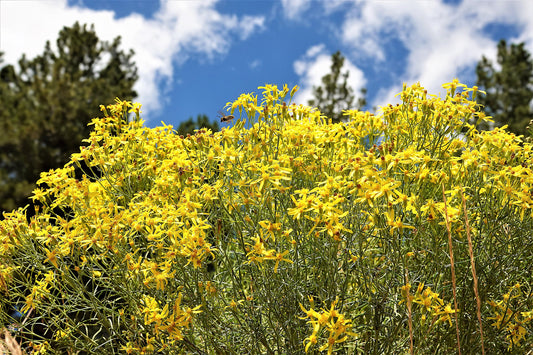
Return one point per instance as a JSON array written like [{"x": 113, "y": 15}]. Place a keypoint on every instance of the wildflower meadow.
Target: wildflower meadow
[{"x": 407, "y": 231}]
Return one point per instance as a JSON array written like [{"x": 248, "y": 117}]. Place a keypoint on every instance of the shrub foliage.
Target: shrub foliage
[{"x": 283, "y": 233}]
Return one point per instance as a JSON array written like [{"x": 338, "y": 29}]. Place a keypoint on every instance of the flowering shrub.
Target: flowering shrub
[
  {"x": 283, "y": 233},
  {"x": 508, "y": 317}
]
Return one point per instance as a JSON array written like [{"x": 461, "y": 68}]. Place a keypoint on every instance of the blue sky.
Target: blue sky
[{"x": 194, "y": 56}]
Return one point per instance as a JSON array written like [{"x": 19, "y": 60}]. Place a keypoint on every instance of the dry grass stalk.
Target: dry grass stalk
[
  {"x": 473, "y": 265},
  {"x": 452, "y": 269},
  {"x": 9, "y": 346},
  {"x": 409, "y": 312}
]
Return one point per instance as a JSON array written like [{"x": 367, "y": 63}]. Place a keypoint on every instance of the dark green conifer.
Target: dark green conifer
[
  {"x": 334, "y": 94},
  {"x": 509, "y": 87},
  {"x": 48, "y": 101}
]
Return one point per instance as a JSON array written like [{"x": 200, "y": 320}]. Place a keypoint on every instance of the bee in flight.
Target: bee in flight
[{"x": 224, "y": 118}]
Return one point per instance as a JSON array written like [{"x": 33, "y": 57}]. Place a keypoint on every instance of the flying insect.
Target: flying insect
[{"x": 224, "y": 118}]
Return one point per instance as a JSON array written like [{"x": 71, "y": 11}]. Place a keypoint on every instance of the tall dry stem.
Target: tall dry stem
[
  {"x": 452, "y": 269},
  {"x": 9, "y": 345},
  {"x": 473, "y": 265}
]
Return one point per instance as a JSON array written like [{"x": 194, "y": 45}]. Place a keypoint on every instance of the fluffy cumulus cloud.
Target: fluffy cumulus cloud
[
  {"x": 316, "y": 63},
  {"x": 441, "y": 40},
  {"x": 293, "y": 8},
  {"x": 177, "y": 30}
]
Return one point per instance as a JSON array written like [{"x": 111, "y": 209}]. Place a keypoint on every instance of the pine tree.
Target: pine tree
[
  {"x": 335, "y": 95},
  {"x": 509, "y": 87},
  {"x": 202, "y": 121},
  {"x": 48, "y": 101}
]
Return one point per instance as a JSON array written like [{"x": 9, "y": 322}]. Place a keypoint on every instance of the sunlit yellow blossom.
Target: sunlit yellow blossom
[
  {"x": 335, "y": 322},
  {"x": 51, "y": 256}
]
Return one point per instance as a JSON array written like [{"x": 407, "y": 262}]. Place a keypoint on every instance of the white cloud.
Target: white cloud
[
  {"x": 441, "y": 39},
  {"x": 316, "y": 63},
  {"x": 250, "y": 24},
  {"x": 177, "y": 30},
  {"x": 255, "y": 64},
  {"x": 294, "y": 8}
]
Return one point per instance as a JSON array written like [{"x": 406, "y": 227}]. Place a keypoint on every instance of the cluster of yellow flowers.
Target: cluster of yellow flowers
[
  {"x": 208, "y": 243},
  {"x": 336, "y": 324},
  {"x": 430, "y": 302},
  {"x": 172, "y": 323},
  {"x": 506, "y": 315}
]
